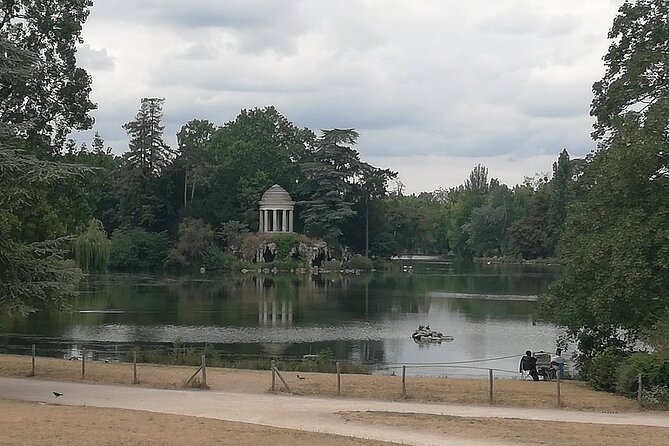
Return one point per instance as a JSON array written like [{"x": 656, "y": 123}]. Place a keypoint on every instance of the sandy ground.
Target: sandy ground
[
  {"x": 28, "y": 424},
  {"x": 400, "y": 419},
  {"x": 507, "y": 392},
  {"x": 524, "y": 432}
]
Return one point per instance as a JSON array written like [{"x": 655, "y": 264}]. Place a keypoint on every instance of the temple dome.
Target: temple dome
[{"x": 276, "y": 195}]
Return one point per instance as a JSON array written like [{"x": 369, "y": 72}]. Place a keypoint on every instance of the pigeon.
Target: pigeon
[
  {"x": 57, "y": 394},
  {"x": 300, "y": 377}
]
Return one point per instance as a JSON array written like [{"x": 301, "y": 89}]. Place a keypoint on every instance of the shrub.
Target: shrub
[
  {"x": 218, "y": 259},
  {"x": 284, "y": 245},
  {"x": 137, "y": 250},
  {"x": 332, "y": 265},
  {"x": 603, "y": 369},
  {"x": 654, "y": 372},
  {"x": 360, "y": 262}
]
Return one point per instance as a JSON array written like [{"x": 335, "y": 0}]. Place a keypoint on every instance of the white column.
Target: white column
[
  {"x": 276, "y": 215},
  {"x": 284, "y": 223},
  {"x": 290, "y": 220},
  {"x": 260, "y": 220}
]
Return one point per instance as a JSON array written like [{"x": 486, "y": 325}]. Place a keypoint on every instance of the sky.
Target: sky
[{"x": 434, "y": 87}]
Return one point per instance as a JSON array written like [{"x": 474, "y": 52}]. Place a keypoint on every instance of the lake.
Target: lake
[{"x": 488, "y": 309}]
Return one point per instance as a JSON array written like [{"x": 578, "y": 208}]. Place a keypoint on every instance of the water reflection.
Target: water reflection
[{"x": 488, "y": 309}]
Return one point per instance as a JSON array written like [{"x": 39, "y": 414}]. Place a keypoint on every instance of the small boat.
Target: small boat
[{"x": 425, "y": 334}]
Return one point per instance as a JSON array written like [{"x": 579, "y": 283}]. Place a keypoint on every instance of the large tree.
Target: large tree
[
  {"x": 54, "y": 99},
  {"x": 615, "y": 243},
  {"x": 327, "y": 187},
  {"x": 143, "y": 195}
]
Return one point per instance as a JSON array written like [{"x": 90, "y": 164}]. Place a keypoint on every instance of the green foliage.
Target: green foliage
[
  {"x": 384, "y": 245},
  {"x": 614, "y": 243},
  {"x": 232, "y": 232},
  {"x": 285, "y": 243},
  {"x": 91, "y": 249},
  {"x": 360, "y": 262},
  {"x": 147, "y": 151},
  {"x": 138, "y": 250},
  {"x": 218, "y": 259},
  {"x": 653, "y": 369},
  {"x": 196, "y": 239},
  {"x": 326, "y": 190},
  {"x": 602, "y": 370},
  {"x": 53, "y": 99},
  {"x": 637, "y": 65}
]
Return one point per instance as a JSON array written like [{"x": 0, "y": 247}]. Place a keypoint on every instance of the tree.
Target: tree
[
  {"x": 91, "y": 249},
  {"x": 487, "y": 226},
  {"x": 327, "y": 184},
  {"x": 192, "y": 140},
  {"x": 32, "y": 275},
  {"x": 55, "y": 98},
  {"x": 615, "y": 245},
  {"x": 560, "y": 197},
  {"x": 143, "y": 200},
  {"x": 478, "y": 179},
  {"x": 147, "y": 151},
  {"x": 195, "y": 240},
  {"x": 637, "y": 67},
  {"x": 248, "y": 155}
]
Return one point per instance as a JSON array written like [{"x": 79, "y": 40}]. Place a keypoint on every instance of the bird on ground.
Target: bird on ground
[
  {"x": 300, "y": 377},
  {"x": 57, "y": 394}
]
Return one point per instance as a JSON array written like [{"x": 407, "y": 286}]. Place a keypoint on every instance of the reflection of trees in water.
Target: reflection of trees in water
[{"x": 482, "y": 309}]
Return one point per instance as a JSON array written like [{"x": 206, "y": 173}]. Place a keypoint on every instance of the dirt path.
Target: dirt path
[{"x": 303, "y": 413}]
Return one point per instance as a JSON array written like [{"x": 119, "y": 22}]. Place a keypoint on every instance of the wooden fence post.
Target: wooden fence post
[
  {"x": 285, "y": 384},
  {"x": 134, "y": 367},
  {"x": 272, "y": 365},
  {"x": 83, "y": 363},
  {"x": 404, "y": 381},
  {"x": 490, "y": 386},
  {"x": 204, "y": 371},
  {"x": 338, "y": 379},
  {"x": 32, "y": 368},
  {"x": 640, "y": 391},
  {"x": 559, "y": 391}
]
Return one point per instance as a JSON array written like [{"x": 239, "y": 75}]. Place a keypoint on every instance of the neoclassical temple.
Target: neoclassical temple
[{"x": 276, "y": 211}]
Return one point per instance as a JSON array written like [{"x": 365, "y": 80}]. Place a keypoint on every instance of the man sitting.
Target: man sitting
[
  {"x": 557, "y": 362},
  {"x": 528, "y": 363}
]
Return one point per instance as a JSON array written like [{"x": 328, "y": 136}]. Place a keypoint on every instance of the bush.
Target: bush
[
  {"x": 284, "y": 245},
  {"x": 654, "y": 372},
  {"x": 137, "y": 250},
  {"x": 218, "y": 259},
  {"x": 603, "y": 369},
  {"x": 360, "y": 262},
  {"x": 332, "y": 265}
]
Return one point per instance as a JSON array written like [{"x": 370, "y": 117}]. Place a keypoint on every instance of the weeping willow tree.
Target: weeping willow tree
[{"x": 91, "y": 249}]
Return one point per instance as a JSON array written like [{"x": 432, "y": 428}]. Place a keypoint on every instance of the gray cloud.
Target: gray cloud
[
  {"x": 420, "y": 80},
  {"x": 93, "y": 59}
]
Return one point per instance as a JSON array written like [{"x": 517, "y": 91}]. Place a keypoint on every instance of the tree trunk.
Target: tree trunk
[
  {"x": 367, "y": 226},
  {"x": 185, "y": 188}
]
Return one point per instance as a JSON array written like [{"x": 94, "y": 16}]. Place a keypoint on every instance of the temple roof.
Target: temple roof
[{"x": 276, "y": 195}]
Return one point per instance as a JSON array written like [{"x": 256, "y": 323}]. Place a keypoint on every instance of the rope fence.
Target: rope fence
[{"x": 199, "y": 377}]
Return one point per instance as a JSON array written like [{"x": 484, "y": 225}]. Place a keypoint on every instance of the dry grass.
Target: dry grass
[
  {"x": 30, "y": 424},
  {"x": 527, "y": 432},
  {"x": 515, "y": 393}
]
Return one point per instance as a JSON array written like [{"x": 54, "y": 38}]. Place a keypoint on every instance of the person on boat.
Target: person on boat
[{"x": 528, "y": 363}]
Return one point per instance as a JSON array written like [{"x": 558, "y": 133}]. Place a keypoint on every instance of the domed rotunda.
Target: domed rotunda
[{"x": 276, "y": 211}]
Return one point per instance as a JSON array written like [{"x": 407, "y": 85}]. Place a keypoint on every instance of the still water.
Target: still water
[{"x": 488, "y": 309}]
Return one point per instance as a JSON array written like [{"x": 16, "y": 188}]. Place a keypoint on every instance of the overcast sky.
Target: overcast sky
[{"x": 433, "y": 86}]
